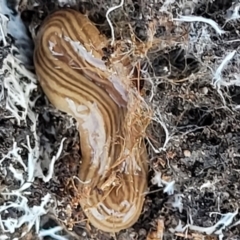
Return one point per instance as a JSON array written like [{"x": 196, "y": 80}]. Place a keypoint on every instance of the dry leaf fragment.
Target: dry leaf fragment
[{"x": 158, "y": 233}]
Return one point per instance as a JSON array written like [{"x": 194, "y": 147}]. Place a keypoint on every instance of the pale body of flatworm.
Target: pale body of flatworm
[{"x": 113, "y": 170}]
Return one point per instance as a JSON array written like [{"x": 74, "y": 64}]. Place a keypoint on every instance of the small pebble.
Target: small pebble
[
  {"x": 187, "y": 153},
  {"x": 204, "y": 90}
]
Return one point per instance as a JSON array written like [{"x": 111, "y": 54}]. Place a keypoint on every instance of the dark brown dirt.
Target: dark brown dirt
[{"x": 202, "y": 154}]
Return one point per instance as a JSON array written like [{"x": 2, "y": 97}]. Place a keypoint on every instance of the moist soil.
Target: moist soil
[{"x": 195, "y": 132}]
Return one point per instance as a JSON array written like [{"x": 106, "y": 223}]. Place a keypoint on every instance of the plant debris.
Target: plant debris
[{"x": 192, "y": 83}]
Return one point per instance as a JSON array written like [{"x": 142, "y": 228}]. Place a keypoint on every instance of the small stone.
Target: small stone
[
  {"x": 187, "y": 153},
  {"x": 204, "y": 90}
]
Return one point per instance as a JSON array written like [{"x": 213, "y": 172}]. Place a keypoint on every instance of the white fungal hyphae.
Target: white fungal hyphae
[
  {"x": 233, "y": 12},
  {"x": 14, "y": 26},
  {"x": 212, "y": 23},
  {"x": 17, "y": 86},
  {"x": 18, "y": 90},
  {"x": 217, "y": 229},
  {"x": 169, "y": 186}
]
